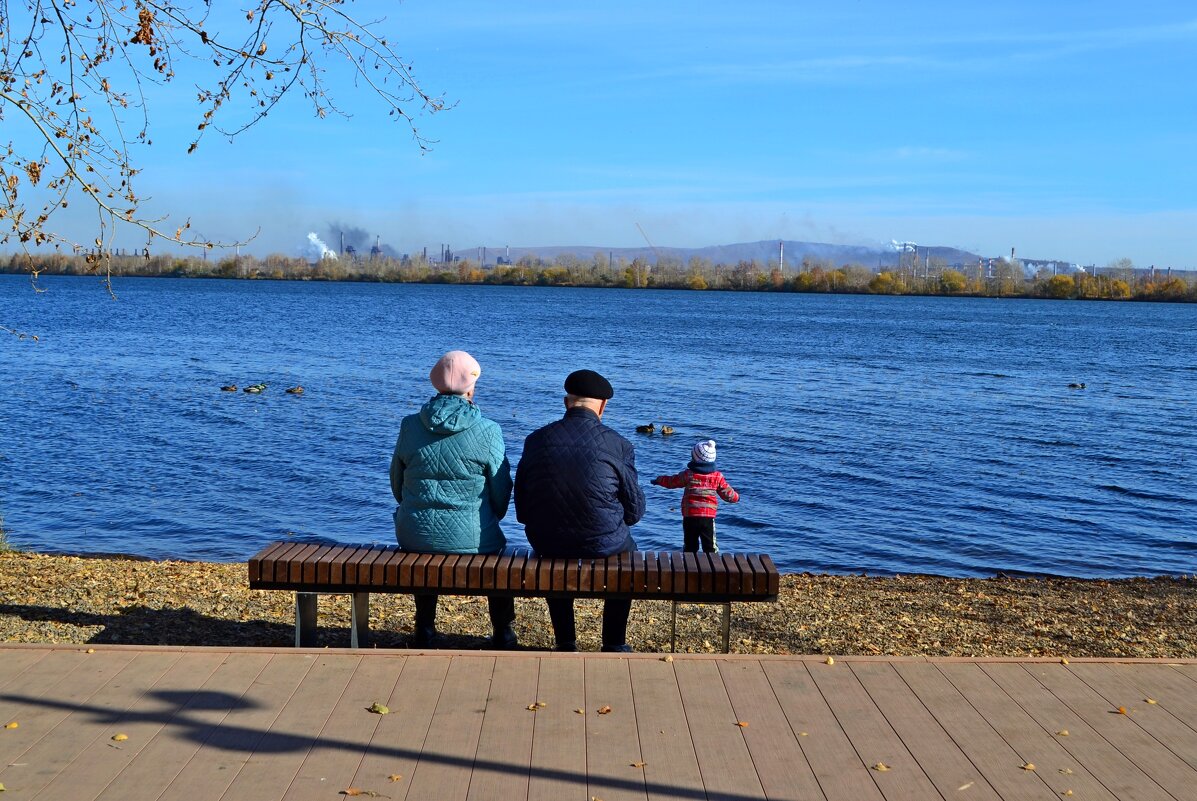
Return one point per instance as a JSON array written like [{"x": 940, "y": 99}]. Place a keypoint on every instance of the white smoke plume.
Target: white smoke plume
[
  {"x": 316, "y": 250},
  {"x": 903, "y": 247}
]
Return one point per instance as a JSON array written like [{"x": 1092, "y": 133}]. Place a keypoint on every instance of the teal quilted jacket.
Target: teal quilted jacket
[{"x": 451, "y": 478}]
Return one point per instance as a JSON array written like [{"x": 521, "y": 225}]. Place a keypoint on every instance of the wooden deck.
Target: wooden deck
[{"x": 252, "y": 725}]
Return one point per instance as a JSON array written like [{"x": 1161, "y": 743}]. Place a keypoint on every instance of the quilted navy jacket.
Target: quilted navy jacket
[
  {"x": 576, "y": 488},
  {"x": 451, "y": 478}
]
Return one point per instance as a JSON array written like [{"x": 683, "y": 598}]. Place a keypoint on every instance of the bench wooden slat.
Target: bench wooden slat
[
  {"x": 544, "y": 574},
  {"x": 666, "y": 570},
  {"x": 266, "y": 554},
  {"x": 760, "y": 576},
  {"x": 296, "y": 561},
  {"x": 276, "y": 567},
  {"x": 354, "y": 562},
  {"x": 391, "y": 567},
  {"x": 639, "y": 572},
  {"x": 652, "y": 572},
  {"x": 626, "y": 575},
  {"x": 746, "y": 577},
  {"x": 419, "y": 570},
  {"x": 773, "y": 576},
  {"x": 515, "y": 574},
  {"x": 474, "y": 577},
  {"x": 461, "y": 572},
  {"x": 733, "y": 573}
]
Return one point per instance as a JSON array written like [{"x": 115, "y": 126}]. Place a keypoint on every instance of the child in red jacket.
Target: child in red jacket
[{"x": 704, "y": 487}]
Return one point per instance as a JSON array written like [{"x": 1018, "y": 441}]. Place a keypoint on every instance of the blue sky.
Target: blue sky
[{"x": 1066, "y": 130}]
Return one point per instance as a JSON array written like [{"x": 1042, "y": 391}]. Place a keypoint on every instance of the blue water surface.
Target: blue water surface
[{"x": 878, "y": 434}]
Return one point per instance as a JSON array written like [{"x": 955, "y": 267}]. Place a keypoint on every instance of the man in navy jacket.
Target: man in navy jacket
[{"x": 577, "y": 492}]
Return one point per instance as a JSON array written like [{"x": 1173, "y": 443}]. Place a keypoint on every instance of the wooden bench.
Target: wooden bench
[{"x": 309, "y": 570}]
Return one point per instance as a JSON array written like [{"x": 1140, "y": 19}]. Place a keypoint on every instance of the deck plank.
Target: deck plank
[
  {"x": 946, "y": 765},
  {"x": 841, "y": 774},
  {"x": 216, "y": 746},
  {"x": 723, "y": 758},
  {"x": 78, "y": 757},
  {"x": 1033, "y": 742},
  {"x": 1165, "y": 685},
  {"x": 505, "y": 746},
  {"x": 447, "y": 759},
  {"x": 39, "y": 700},
  {"x": 781, "y": 766},
  {"x": 872, "y": 735},
  {"x": 1165, "y": 726},
  {"x": 1122, "y": 731},
  {"x": 558, "y": 766},
  {"x": 333, "y": 761},
  {"x": 158, "y": 700},
  {"x": 277, "y": 757},
  {"x": 671, "y": 771},
  {"x": 996, "y": 760},
  {"x": 1088, "y": 748},
  {"x": 14, "y": 664},
  {"x": 612, "y": 740},
  {"x": 401, "y": 735}
]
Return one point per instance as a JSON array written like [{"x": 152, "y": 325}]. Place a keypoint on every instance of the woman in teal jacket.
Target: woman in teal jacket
[{"x": 452, "y": 480}]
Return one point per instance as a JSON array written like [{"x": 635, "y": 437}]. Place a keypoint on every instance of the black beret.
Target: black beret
[{"x": 588, "y": 384}]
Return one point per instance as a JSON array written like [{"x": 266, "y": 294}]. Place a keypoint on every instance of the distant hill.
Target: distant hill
[{"x": 764, "y": 252}]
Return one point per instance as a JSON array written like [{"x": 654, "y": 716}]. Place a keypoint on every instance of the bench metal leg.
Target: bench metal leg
[
  {"x": 305, "y": 619},
  {"x": 673, "y": 629},
  {"x": 726, "y": 628},
  {"x": 359, "y": 622}
]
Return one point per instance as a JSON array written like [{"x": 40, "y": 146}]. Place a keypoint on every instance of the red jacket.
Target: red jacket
[{"x": 703, "y": 491}]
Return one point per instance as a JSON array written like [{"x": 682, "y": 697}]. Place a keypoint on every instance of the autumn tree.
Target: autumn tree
[{"x": 75, "y": 89}]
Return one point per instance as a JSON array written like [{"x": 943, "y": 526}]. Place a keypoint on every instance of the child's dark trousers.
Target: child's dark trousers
[{"x": 696, "y": 530}]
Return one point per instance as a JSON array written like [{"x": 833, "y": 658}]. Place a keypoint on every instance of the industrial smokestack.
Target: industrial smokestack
[{"x": 781, "y": 255}]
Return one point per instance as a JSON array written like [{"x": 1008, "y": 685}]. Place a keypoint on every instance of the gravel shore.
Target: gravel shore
[{"x": 68, "y": 599}]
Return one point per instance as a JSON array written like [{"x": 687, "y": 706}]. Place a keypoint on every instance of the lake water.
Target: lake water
[{"x": 878, "y": 434}]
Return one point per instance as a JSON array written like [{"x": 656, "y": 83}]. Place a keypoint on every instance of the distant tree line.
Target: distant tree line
[{"x": 1120, "y": 280}]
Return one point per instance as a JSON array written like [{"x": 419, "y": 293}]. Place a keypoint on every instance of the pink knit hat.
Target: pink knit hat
[{"x": 455, "y": 373}]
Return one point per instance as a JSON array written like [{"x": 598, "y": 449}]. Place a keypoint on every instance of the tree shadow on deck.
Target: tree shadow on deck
[{"x": 178, "y": 706}]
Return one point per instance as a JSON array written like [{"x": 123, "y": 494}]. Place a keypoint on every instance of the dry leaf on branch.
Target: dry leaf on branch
[{"x": 604, "y": 710}]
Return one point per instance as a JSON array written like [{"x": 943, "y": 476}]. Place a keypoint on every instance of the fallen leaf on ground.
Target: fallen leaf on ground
[
  {"x": 802, "y": 734},
  {"x": 532, "y": 707},
  {"x": 1063, "y": 661},
  {"x": 1066, "y": 771},
  {"x": 743, "y": 724},
  {"x": 638, "y": 764},
  {"x": 1028, "y": 766},
  {"x": 1, "y": 788},
  {"x": 120, "y": 738},
  {"x": 1150, "y": 701},
  {"x": 965, "y": 786},
  {"x": 881, "y": 766},
  {"x": 359, "y": 791},
  {"x": 829, "y": 660},
  {"x": 1066, "y": 792},
  {"x": 1063, "y": 732},
  {"x": 91, "y": 650},
  {"x": 378, "y": 709},
  {"x": 12, "y": 725},
  {"x": 580, "y": 711},
  {"x": 1122, "y": 711},
  {"x": 542, "y": 704},
  {"x": 394, "y": 777},
  {"x": 667, "y": 658},
  {"x": 604, "y": 710}
]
